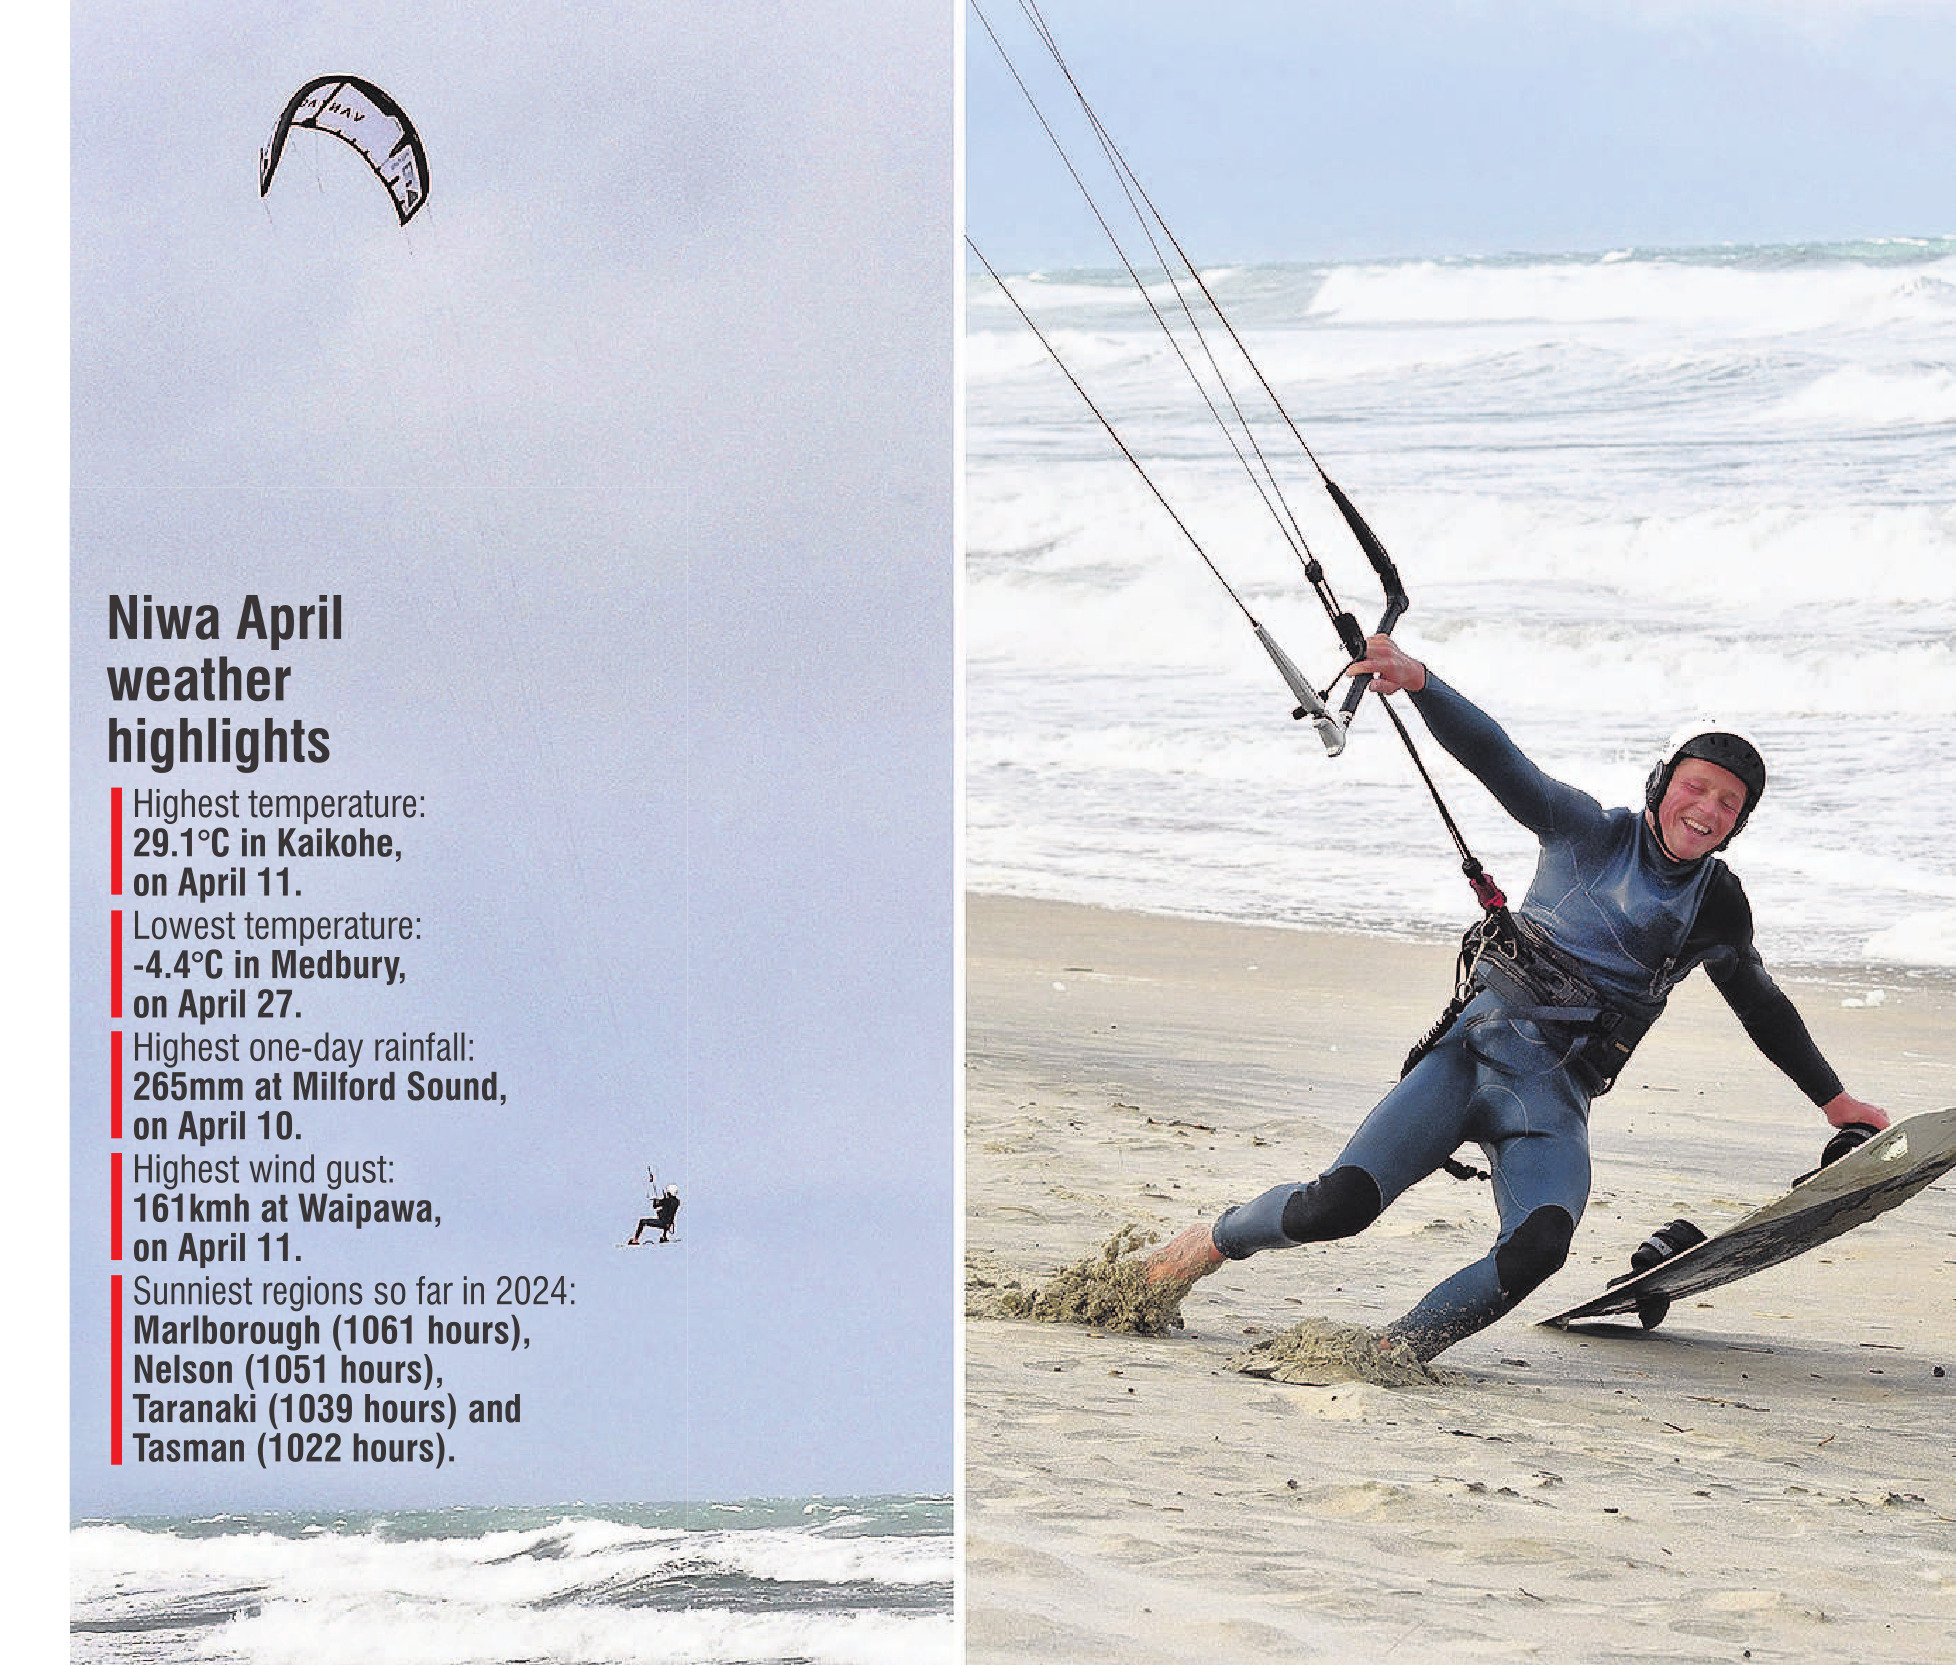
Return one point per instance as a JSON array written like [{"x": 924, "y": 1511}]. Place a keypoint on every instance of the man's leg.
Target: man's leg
[
  {"x": 1409, "y": 1133},
  {"x": 1541, "y": 1184}
]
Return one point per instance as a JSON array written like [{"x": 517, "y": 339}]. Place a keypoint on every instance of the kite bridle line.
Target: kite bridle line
[
  {"x": 1113, "y": 433},
  {"x": 1368, "y": 540},
  {"x": 1332, "y": 726},
  {"x": 1266, "y": 484}
]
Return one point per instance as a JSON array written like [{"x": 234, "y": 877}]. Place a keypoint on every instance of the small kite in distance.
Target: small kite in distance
[{"x": 367, "y": 119}]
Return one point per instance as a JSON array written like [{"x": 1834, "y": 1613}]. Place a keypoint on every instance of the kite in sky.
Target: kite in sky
[{"x": 367, "y": 119}]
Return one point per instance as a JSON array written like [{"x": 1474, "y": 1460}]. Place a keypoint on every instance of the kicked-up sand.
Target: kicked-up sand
[{"x": 1234, "y": 1471}]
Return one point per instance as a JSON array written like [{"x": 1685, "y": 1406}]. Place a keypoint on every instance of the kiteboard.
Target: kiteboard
[{"x": 1863, "y": 1185}]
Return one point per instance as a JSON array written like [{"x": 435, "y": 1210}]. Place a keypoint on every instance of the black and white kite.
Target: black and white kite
[{"x": 367, "y": 119}]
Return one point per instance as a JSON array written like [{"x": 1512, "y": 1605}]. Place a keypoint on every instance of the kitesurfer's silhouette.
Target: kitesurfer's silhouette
[{"x": 665, "y": 1210}]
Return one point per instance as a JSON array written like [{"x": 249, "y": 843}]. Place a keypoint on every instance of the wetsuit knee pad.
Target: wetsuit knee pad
[
  {"x": 1339, "y": 1204},
  {"x": 1535, "y": 1252}
]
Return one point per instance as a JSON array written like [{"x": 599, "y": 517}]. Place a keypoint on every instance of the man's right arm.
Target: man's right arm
[{"x": 1541, "y": 804}]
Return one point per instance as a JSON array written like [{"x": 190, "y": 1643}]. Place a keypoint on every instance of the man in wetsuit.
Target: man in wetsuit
[
  {"x": 1629, "y": 901},
  {"x": 665, "y": 1210}
]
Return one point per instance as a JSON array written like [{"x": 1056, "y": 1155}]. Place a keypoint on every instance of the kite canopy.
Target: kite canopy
[{"x": 367, "y": 119}]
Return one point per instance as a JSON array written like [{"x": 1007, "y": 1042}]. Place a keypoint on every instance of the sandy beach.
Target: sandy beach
[{"x": 1769, "y": 1476}]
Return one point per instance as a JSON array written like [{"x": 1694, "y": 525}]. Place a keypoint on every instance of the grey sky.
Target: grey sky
[
  {"x": 632, "y": 457},
  {"x": 1355, "y": 129}
]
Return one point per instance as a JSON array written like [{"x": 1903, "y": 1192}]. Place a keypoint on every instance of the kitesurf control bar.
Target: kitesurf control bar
[{"x": 1375, "y": 552}]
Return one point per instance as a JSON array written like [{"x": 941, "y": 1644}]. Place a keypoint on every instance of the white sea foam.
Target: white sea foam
[
  {"x": 841, "y": 1588},
  {"x": 392, "y": 1631},
  {"x": 1857, "y": 398},
  {"x": 1688, "y": 294},
  {"x": 1927, "y": 940}
]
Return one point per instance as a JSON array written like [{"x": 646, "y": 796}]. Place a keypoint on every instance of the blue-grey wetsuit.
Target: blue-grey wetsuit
[{"x": 1606, "y": 894}]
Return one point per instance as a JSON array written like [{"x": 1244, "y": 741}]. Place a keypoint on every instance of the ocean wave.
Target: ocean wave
[
  {"x": 1014, "y": 353},
  {"x": 1678, "y": 293},
  {"x": 393, "y": 1631},
  {"x": 574, "y": 1587},
  {"x": 1783, "y": 546},
  {"x": 1857, "y": 398},
  {"x": 1927, "y": 939}
]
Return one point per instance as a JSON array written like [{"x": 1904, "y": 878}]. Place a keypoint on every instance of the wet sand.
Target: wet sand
[{"x": 1769, "y": 1476}]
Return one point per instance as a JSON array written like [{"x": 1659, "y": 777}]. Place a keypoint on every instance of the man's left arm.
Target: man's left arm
[{"x": 1778, "y": 1030}]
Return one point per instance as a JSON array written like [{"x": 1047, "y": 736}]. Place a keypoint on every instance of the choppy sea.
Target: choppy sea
[
  {"x": 1624, "y": 490},
  {"x": 810, "y": 1581}
]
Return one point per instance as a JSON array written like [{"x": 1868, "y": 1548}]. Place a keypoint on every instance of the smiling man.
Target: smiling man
[{"x": 1623, "y": 905}]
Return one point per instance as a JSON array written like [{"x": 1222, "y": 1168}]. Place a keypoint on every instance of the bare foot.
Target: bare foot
[{"x": 1182, "y": 1259}]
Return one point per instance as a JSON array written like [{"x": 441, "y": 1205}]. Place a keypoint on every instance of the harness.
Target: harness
[{"x": 1505, "y": 955}]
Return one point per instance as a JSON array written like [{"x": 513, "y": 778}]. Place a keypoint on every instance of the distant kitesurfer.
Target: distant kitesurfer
[
  {"x": 1624, "y": 903},
  {"x": 665, "y": 1210}
]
